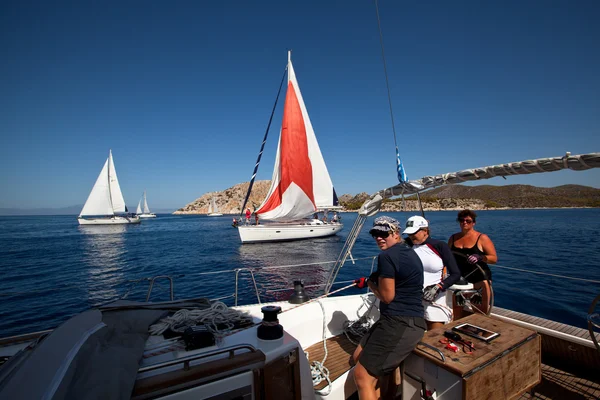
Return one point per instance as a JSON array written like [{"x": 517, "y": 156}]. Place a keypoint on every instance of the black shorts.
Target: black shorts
[{"x": 389, "y": 341}]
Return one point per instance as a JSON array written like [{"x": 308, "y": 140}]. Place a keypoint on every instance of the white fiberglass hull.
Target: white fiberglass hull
[
  {"x": 278, "y": 232},
  {"x": 215, "y": 214},
  {"x": 150, "y": 215},
  {"x": 116, "y": 220}
]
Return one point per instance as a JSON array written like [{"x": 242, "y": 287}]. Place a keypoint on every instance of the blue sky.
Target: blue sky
[{"x": 182, "y": 91}]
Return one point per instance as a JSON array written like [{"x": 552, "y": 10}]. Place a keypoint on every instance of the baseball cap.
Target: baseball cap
[
  {"x": 385, "y": 224},
  {"x": 413, "y": 224}
]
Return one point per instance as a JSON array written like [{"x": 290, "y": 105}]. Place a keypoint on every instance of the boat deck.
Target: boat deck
[
  {"x": 569, "y": 371},
  {"x": 557, "y": 383},
  {"x": 544, "y": 323},
  {"x": 339, "y": 356}
]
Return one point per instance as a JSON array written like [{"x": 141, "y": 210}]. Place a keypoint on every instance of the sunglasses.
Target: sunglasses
[
  {"x": 466, "y": 221},
  {"x": 382, "y": 235}
]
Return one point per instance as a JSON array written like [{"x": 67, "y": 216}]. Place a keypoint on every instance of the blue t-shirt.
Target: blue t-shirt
[{"x": 404, "y": 265}]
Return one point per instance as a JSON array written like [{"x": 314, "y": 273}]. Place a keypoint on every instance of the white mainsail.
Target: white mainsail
[
  {"x": 146, "y": 208},
  {"x": 118, "y": 202},
  {"x": 106, "y": 197},
  {"x": 301, "y": 183}
]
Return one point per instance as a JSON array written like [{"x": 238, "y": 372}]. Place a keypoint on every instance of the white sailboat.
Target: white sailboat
[
  {"x": 301, "y": 184},
  {"x": 145, "y": 211},
  {"x": 213, "y": 211},
  {"x": 106, "y": 201}
]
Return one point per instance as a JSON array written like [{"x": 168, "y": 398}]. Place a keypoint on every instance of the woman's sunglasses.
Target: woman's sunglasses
[
  {"x": 466, "y": 221},
  {"x": 380, "y": 234}
]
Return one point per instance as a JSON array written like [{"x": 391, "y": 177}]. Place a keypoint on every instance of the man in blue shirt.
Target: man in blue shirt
[{"x": 398, "y": 284}]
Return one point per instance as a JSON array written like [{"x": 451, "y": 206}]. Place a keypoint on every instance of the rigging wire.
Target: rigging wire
[
  {"x": 262, "y": 146},
  {"x": 387, "y": 83}
]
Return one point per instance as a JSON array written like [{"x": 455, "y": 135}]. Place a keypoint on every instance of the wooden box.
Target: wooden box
[{"x": 501, "y": 369}]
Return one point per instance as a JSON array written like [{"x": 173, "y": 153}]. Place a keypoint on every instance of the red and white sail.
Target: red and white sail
[{"x": 301, "y": 183}]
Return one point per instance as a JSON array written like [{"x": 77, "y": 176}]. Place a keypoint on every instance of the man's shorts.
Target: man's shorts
[{"x": 389, "y": 341}]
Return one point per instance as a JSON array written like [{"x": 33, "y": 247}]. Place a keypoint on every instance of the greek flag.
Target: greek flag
[{"x": 401, "y": 172}]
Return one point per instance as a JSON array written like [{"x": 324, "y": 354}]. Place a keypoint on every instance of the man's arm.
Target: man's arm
[{"x": 385, "y": 290}]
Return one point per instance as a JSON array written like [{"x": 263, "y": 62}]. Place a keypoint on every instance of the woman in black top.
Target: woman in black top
[{"x": 473, "y": 252}]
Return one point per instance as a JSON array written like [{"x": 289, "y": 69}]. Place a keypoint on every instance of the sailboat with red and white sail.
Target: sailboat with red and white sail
[{"x": 301, "y": 185}]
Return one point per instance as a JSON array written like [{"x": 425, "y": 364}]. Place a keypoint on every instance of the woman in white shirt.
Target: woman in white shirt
[{"x": 435, "y": 255}]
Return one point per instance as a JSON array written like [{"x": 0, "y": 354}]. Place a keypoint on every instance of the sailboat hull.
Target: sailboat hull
[
  {"x": 151, "y": 215},
  {"x": 280, "y": 232},
  {"x": 116, "y": 220},
  {"x": 214, "y": 214}
]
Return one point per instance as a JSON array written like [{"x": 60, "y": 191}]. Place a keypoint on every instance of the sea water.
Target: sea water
[{"x": 51, "y": 268}]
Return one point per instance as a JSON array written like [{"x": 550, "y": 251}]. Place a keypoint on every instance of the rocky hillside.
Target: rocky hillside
[
  {"x": 229, "y": 201},
  {"x": 520, "y": 196},
  {"x": 453, "y": 197}
]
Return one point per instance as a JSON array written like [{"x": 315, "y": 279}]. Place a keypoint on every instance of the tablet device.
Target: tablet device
[{"x": 476, "y": 332}]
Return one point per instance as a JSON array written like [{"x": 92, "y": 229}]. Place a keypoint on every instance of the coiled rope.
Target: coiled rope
[{"x": 218, "y": 319}]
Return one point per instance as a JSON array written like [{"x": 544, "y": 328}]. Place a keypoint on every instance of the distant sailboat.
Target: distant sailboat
[
  {"x": 106, "y": 200},
  {"x": 301, "y": 185},
  {"x": 213, "y": 211},
  {"x": 145, "y": 212}
]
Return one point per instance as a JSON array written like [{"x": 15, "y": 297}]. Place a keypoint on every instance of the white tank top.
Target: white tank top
[{"x": 432, "y": 264}]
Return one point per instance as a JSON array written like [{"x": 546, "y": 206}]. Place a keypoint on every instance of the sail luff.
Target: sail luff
[{"x": 139, "y": 207}]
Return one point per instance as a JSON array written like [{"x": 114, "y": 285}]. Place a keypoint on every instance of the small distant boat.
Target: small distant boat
[
  {"x": 213, "y": 211},
  {"x": 106, "y": 201},
  {"x": 145, "y": 212}
]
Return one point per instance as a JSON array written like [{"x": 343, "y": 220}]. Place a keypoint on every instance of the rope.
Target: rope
[
  {"x": 387, "y": 83},
  {"x": 319, "y": 298},
  {"x": 262, "y": 146},
  {"x": 218, "y": 319},
  {"x": 318, "y": 370},
  {"x": 345, "y": 252},
  {"x": 449, "y": 312},
  {"x": 547, "y": 274},
  {"x": 307, "y": 286},
  {"x": 358, "y": 328}
]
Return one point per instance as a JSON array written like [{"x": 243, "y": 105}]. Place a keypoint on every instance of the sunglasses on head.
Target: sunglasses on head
[
  {"x": 380, "y": 234},
  {"x": 467, "y": 221}
]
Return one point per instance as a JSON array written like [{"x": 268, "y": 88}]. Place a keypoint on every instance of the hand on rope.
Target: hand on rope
[
  {"x": 431, "y": 291},
  {"x": 361, "y": 283},
  {"x": 474, "y": 258}
]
